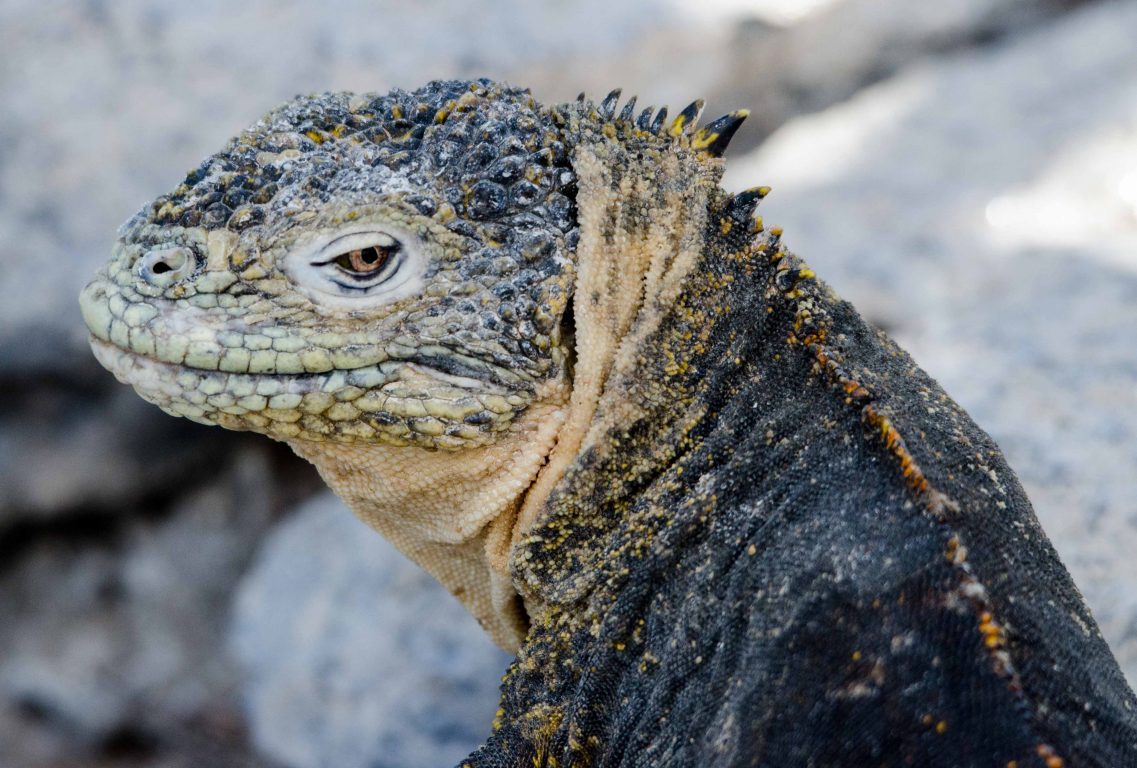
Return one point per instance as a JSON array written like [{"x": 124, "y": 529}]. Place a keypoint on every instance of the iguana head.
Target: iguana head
[
  {"x": 388, "y": 268},
  {"x": 360, "y": 273}
]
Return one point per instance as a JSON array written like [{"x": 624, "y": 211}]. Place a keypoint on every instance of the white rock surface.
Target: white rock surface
[
  {"x": 984, "y": 210},
  {"x": 356, "y": 658}
]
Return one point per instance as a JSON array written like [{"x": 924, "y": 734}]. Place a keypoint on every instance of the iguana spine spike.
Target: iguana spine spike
[
  {"x": 608, "y": 106},
  {"x": 747, "y": 200},
  {"x": 643, "y": 122},
  {"x": 657, "y": 123},
  {"x": 714, "y": 138},
  {"x": 686, "y": 120},
  {"x": 629, "y": 108}
]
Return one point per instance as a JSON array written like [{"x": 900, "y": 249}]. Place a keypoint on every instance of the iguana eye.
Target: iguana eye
[
  {"x": 359, "y": 267},
  {"x": 361, "y": 260},
  {"x": 365, "y": 261}
]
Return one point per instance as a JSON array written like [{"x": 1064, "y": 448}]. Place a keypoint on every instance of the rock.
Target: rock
[
  {"x": 118, "y": 632},
  {"x": 78, "y": 449},
  {"x": 983, "y": 209},
  {"x": 831, "y": 54},
  {"x": 353, "y": 656}
]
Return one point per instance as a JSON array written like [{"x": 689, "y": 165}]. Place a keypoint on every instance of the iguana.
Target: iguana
[{"x": 720, "y": 519}]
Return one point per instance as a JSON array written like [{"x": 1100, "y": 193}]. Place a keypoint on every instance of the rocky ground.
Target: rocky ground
[{"x": 966, "y": 174}]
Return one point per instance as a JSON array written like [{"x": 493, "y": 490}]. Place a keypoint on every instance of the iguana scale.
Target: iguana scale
[{"x": 721, "y": 520}]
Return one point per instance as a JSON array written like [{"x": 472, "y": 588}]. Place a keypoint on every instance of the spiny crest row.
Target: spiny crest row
[{"x": 711, "y": 139}]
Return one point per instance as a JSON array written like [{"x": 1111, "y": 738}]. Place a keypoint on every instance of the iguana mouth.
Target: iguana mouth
[{"x": 396, "y": 401}]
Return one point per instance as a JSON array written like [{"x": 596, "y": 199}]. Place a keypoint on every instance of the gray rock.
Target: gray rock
[
  {"x": 68, "y": 448},
  {"x": 834, "y": 52},
  {"x": 353, "y": 656},
  {"x": 117, "y": 631},
  {"x": 984, "y": 210}
]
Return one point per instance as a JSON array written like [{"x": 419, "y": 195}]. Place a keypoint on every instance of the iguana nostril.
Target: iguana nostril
[{"x": 163, "y": 267}]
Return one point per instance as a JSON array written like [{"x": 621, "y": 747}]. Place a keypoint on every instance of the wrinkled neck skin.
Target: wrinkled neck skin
[
  {"x": 460, "y": 514},
  {"x": 452, "y": 512}
]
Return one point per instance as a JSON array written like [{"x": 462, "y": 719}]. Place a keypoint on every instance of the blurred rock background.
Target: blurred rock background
[{"x": 964, "y": 172}]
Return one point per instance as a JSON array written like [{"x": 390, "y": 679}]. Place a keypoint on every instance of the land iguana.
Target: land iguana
[{"x": 721, "y": 520}]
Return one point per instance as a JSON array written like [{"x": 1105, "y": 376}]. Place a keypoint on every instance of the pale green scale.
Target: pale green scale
[
  {"x": 119, "y": 332},
  {"x": 289, "y": 344},
  {"x": 428, "y": 426},
  {"x": 263, "y": 361},
  {"x": 287, "y": 401},
  {"x": 172, "y": 348},
  {"x": 316, "y": 360},
  {"x": 347, "y": 394},
  {"x": 317, "y": 402},
  {"x": 138, "y": 315},
  {"x": 287, "y": 416},
  {"x": 212, "y": 385},
  {"x": 342, "y": 412},
  {"x": 288, "y": 362},
  {"x": 231, "y": 339},
  {"x": 269, "y": 385},
  {"x": 253, "y": 402},
  {"x": 235, "y": 360},
  {"x": 366, "y": 377},
  {"x": 142, "y": 341}
]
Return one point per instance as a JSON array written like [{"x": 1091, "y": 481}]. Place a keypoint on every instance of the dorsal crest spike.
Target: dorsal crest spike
[
  {"x": 608, "y": 106},
  {"x": 747, "y": 200},
  {"x": 657, "y": 123},
  {"x": 626, "y": 112},
  {"x": 686, "y": 120},
  {"x": 643, "y": 122},
  {"x": 714, "y": 138}
]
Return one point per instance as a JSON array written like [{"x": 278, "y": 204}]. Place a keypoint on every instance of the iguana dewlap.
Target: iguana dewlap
[{"x": 722, "y": 521}]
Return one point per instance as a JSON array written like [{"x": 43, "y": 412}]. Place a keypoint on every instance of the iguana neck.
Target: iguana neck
[
  {"x": 451, "y": 512},
  {"x": 643, "y": 222}
]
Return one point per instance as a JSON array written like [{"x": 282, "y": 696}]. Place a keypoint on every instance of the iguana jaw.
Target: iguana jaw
[
  {"x": 222, "y": 346},
  {"x": 346, "y": 406}
]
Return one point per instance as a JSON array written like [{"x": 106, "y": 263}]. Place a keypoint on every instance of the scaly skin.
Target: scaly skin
[{"x": 721, "y": 520}]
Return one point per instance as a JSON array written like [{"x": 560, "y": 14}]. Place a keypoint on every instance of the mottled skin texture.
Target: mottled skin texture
[{"x": 723, "y": 521}]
